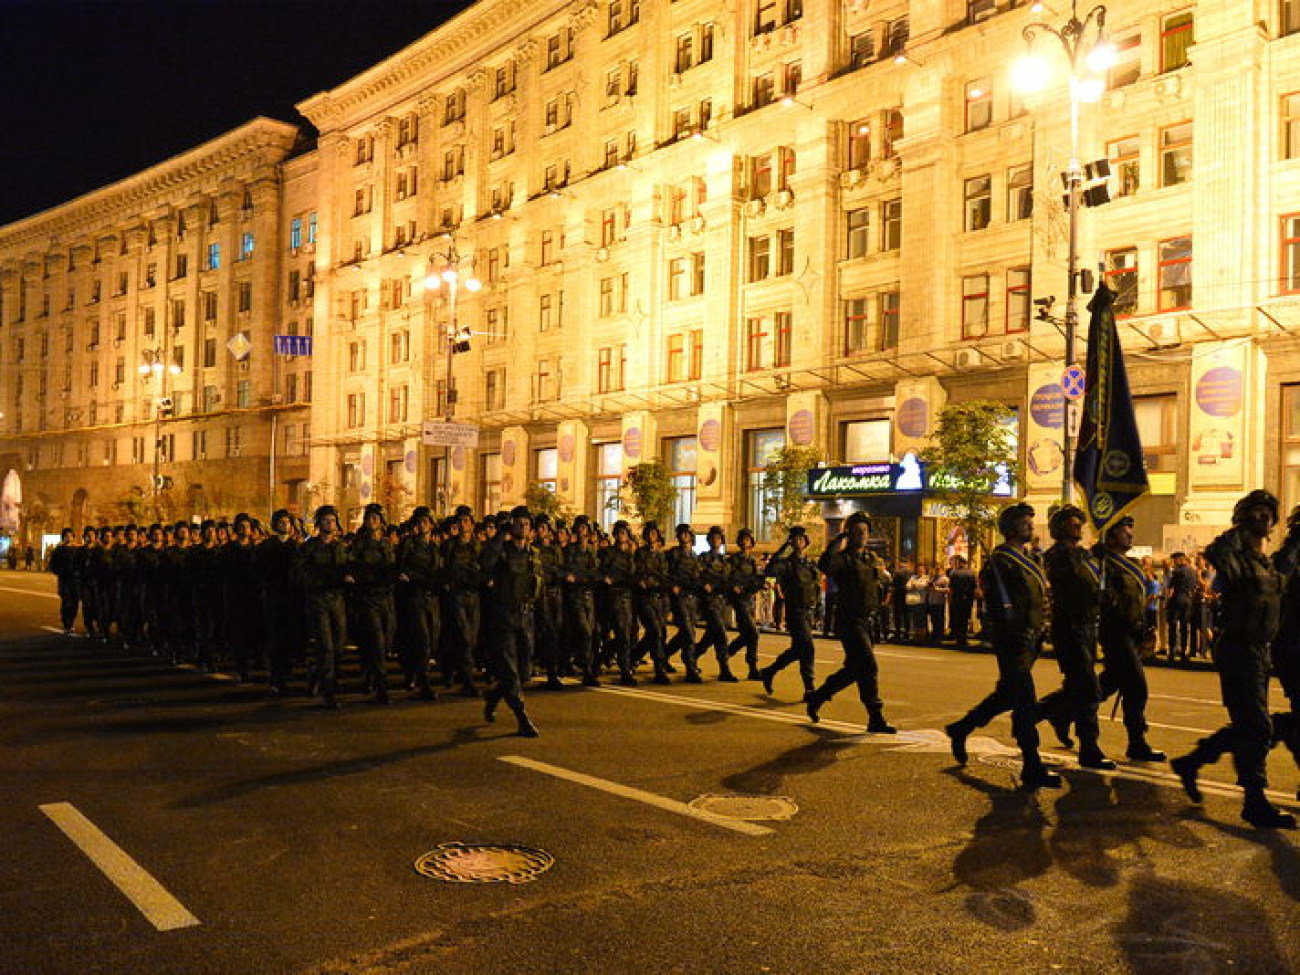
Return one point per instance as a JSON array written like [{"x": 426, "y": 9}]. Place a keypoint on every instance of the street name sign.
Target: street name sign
[{"x": 439, "y": 433}]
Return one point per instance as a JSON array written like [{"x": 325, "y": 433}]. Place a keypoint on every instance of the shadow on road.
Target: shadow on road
[
  {"x": 767, "y": 779},
  {"x": 1187, "y": 928},
  {"x": 1282, "y": 849}
]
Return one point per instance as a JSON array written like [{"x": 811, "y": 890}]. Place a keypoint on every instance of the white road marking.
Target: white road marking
[
  {"x": 923, "y": 739},
  {"x": 30, "y": 592},
  {"x": 55, "y": 629},
  {"x": 627, "y": 792},
  {"x": 161, "y": 909}
]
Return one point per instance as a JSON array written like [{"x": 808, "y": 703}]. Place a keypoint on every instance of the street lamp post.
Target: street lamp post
[
  {"x": 452, "y": 280},
  {"x": 1090, "y": 56},
  {"x": 153, "y": 364}
]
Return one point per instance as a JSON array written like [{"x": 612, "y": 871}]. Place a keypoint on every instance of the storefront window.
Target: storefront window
[
  {"x": 609, "y": 481},
  {"x": 680, "y": 452},
  {"x": 547, "y": 466},
  {"x": 866, "y": 441},
  {"x": 491, "y": 482},
  {"x": 1156, "y": 421},
  {"x": 762, "y": 445},
  {"x": 1290, "y": 446}
]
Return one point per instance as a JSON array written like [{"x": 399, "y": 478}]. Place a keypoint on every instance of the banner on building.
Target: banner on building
[
  {"x": 917, "y": 403},
  {"x": 1217, "y": 421},
  {"x": 1044, "y": 427}
]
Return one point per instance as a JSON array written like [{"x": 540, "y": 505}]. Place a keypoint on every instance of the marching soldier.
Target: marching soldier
[
  {"x": 1015, "y": 591},
  {"x": 1286, "y": 645},
  {"x": 280, "y": 600},
  {"x": 744, "y": 584},
  {"x": 243, "y": 595},
  {"x": 712, "y": 590},
  {"x": 1123, "y": 622},
  {"x": 550, "y": 606},
  {"x": 683, "y": 578},
  {"x": 800, "y": 582},
  {"x": 1250, "y": 611},
  {"x": 856, "y": 572},
  {"x": 619, "y": 572},
  {"x": 322, "y": 566},
  {"x": 63, "y": 564},
  {"x": 513, "y": 575},
  {"x": 1075, "y": 579},
  {"x": 651, "y": 580},
  {"x": 373, "y": 571},
  {"x": 581, "y": 572},
  {"x": 419, "y": 618},
  {"x": 460, "y": 560}
]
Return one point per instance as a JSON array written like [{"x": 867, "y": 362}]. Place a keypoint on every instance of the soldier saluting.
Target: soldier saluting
[
  {"x": 1015, "y": 590},
  {"x": 800, "y": 582}
]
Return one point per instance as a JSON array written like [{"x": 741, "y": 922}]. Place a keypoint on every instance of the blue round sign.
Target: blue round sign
[{"x": 1073, "y": 383}]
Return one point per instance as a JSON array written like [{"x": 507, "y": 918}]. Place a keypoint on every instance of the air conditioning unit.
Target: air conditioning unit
[
  {"x": 674, "y": 231},
  {"x": 602, "y": 253},
  {"x": 1014, "y": 350},
  {"x": 754, "y": 208},
  {"x": 783, "y": 199},
  {"x": 968, "y": 359},
  {"x": 1169, "y": 86},
  {"x": 697, "y": 225},
  {"x": 851, "y": 178}
]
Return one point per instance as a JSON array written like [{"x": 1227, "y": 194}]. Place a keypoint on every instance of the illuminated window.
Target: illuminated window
[
  {"x": 974, "y": 306},
  {"x": 856, "y": 325},
  {"x": 857, "y": 232},
  {"x": 1020, "y": 193},
  {"x": 680, "y": 453},
  {"x": 1176, "y": 154},
  {"x": 1019, "y": 299},
  {"x": 979, "y": 202},
  {"x": 1128, "y": 61},
  {"x": 1175, "y": 274},
  {"x": 608, "y": 482},
  {"x": 859, "y": 144},
  {"x": 755, "y": 342},
  {"x": 1291, "y": 126},
  {"x": 891, "y": 225},
  {"x": 1176, "y": 37},
  {"x": 1291, "y": 253},
  {"x": 888, "y": 302},
  {"x": 1125, "y": 165},
  {"x": 762, "y": 447},
  {"x": 1122, "y": 278},
  {"x": 1157, "y": 419},
  {"x": 979, "y": 105},
  {"x": 784, "y": 339}
]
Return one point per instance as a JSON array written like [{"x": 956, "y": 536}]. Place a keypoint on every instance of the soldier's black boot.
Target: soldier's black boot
[
  {"x": 526, "y": 727},
  {"x": 423, "y": 688},
  {"x": 328, "y": 695},
  {"x": 957, "y": 734},
  {"x": 767, "y": 677},
  {"x": 877, "y": 725},
  {"x": 1061, "y": 725},
  {"x": 1091, "y": 756},
  {"x": 1186, "y": 767},
  {"x": 661, "y": 673},
  {"x": 491, "y": 698},
  {"x": 1035, "y": 775},
  {"x": 1262, "y": 814},
  {"x": 724, "y": 672},
  {"x": 627, "y": 679},
  {"x": 813, "y": 704},
  {"x": 1140, "y": 751}
]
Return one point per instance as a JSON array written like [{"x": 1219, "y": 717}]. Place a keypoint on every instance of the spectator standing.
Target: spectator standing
[
  {"x": 937, "y": 604},
  {"x": 917, "y": 596},
  {"x": 961, "y": 599}
]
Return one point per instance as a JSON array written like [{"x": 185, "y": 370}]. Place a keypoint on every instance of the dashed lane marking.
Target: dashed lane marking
[
  {"x": 29, "y": 592},
  {"x": 627, "y": 792},
  {"x": 161, "y": 909}
]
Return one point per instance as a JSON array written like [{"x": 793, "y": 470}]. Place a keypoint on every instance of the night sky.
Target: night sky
[{"x": 93, "y": 91}]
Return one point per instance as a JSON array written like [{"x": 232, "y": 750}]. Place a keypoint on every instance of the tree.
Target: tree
[
  {"x": 972, "y": 448},
  {"x": 541, "y": 500},
  {"x": 649, "y": 494},
  {"x": 785, "y": 478}
]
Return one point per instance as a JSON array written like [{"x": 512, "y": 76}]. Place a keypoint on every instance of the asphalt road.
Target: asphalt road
[{"x": 270, "y": 836}]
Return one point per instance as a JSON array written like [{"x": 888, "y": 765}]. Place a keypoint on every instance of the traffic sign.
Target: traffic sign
[
  {"x": 1073, "y": 382},
  {"x": 439, "y": 433}
]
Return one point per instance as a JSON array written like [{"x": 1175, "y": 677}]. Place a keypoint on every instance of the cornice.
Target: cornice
[
  {"x": 126, "y": 198},
  {"x": 489, "y": 26}
]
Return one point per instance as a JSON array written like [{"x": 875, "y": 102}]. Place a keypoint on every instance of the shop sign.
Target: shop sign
[{"x": 884, "y": 478}]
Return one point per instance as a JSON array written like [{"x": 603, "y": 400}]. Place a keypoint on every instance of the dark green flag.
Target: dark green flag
[{"x": 1109, "y": 465}]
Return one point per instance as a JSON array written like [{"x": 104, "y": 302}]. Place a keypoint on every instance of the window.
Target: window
[
  {"x": 857, "y": 233},
  {"x": 1157, "y": 423},
  {"x": 209, "y": 353},
  {"x": 893, "y": 133},
  {"x": 1175, "y": 272},
  {"x": 1125, "y": 165},
  {"x": 1020, "y": 193},
  {"x": 785, "y": 252},
  {"x": 891, "y": 225},
  {"x": 210, "y": 399},
  {"x": 1291, "y": 125},
  {"x": 783, "y": 321},
  {"x": 611, "y": 368},
  {"x": 311, "y": 227},
  {"x": 199, "y": 444},
  {"x": 979, "y": 202},
  {"x": 862, "y": 49},
  {"x": 974, "y": 306},
  {"x": 1176, "y": 36},
  {"x": 453, "y": 108},
  {"x": 243, "y": 394},
  {"x": 675, "y": 366},
  {"x": 760, "y": 258},
  {"x": 178, "y": 314},
  {"x": 680, "y": 454},
  {"x": 214, "y": 257},
  {"x": 453, "y": 163},
  {"x": 697, "y": 273},
  {"x": 895, "y": 37},
  {"x": 613, "y": 295},
  {"x": 1019, "y": 299},
  {"x": 559, "y": 48},
  {"x": 234, "y": 441},
  {"x": 622, "y": 15},
  {"x": 1289, "y": 20},
  {"x": 399, "y": 347},
  {"x": 889, "y": 320},
  {"x": 979, "y": 105},
  {"x": 356, "y": 356},
  {"x": 609, "y": 482},
  {"x": 356, "y": 409},
  {"x": 182, "y": 269},
  {"x": 1176, "y": 154},
  {"x": 504, "y": 80},
  {"x": 856, "y": 325},
  {"x": 399, "y": 398},
  {"x": 676, "y": 278},
  {"x": 209, "y": 301},
  {"x": 550, "y": 311},
  {"x": 695, "y": 365},
  {"x": 1128, "y": 61},
  {"x": 295, "y": 233},
  {"x": 245, "y": 245},
  {"x": 762, "y": 446},
  {"x": 494, "y": 389},
  {"x": 1291, "y": 253},
  {"x": 764, "y": 90},
  {"x": 244, "y": 296},
  {"x": 1122, "y": 278},
  {"x": 866, "y": 441},
  {"x": 755, "y": 342},
  {"x": 1290, "y": 453},
  {"x": 859, "y": 145},
  {"x": 546, "y": 382}
]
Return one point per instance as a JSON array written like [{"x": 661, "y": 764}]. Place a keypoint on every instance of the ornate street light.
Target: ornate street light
[
  {"x": 153, "y": 364},
  {"x": 445, "y": 274},
  {"x": 1090, "y": 55}
]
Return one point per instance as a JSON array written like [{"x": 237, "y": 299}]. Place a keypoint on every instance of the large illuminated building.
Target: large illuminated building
[{"x": 703, "y": 230}]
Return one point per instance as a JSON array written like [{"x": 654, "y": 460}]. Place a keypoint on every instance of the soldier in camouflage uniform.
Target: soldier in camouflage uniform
[
  {"x": 651, "y": 581},
  {"x": 800, "y": 583},
  {"x": 372, "y": 572},
  {"x": 683, "y": 577},
  {"x": 581, "y": 573},
  {"x": 322, "y": 566},
  {"x": 419, "y": 615},
  {"x": 460, "y": 608},
  {"x": 712, "y": 586},
  {"x": 744, "y": 584},
  {"x": 550, "y": 606},
  {"x": 513, "y": 583}
]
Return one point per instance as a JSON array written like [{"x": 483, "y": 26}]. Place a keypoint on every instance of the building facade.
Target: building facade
[
  {"x": 706, "y": 230},
  {"x": 137, "y": 320}
]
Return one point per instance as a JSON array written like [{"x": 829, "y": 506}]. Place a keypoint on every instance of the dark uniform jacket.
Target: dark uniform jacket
[
  {"x": 715, "y": 573},
  {"x": 1015, "y": 591},
  {"x": 683, "y": 569},
  {"x": 1075, "y": 579},
  {"x": 460, "y": 561},
  {"x": 321, "y": 566},
  {"x": 799, "y": 579},
  {"x": 743, "y": 575},
  {"x": 374, "y": 564},
  {"x": 583, "y": 563},
  {"x": 618, "y": 568},
  {"x": 651, "y": 570},
  {"x": 1250, "y": 607},
  {"x": 513, "y": 576},
  {"x": 420, "y": 560},
  {"x": 857, "y": 577}
]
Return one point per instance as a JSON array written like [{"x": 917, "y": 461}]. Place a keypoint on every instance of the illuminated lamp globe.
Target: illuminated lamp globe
[
  {"x": 1101, "y": 58},
  {"x": 1030, "y": 74}
]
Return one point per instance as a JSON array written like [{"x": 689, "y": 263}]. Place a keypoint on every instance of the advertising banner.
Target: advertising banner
[
  {"x": 1220, "y": 382},
  {"x": 572, "y": 439},
  {"x": 917, "y": 403},
  {"x": 514, "y": 466},
  {"x": 1044, "y": 426},
  {"x": 714, "y": 433}
]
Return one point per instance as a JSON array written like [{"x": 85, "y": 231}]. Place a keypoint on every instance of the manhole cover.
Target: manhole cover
[
  {"x": 1013, "y": 761},
  {"x": 465, "y": 863},
  {"x": 747, "y": 807}
]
